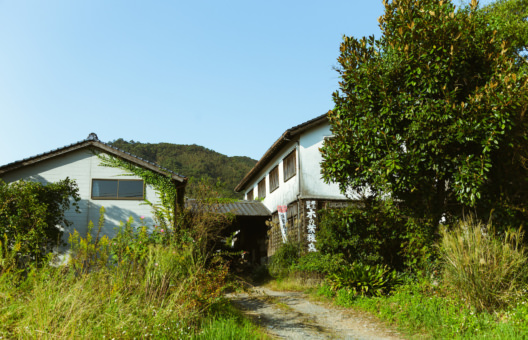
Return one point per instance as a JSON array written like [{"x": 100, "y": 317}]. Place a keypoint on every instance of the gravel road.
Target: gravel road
[{"x": 290, "y": 315}]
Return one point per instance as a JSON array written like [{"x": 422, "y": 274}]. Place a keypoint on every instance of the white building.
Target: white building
[
  {"x": 122, "y": 196},
  {"x": 289, "y": 174}
]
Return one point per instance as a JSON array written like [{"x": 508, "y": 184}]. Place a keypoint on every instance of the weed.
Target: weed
[{"x": 486, "y": 270}]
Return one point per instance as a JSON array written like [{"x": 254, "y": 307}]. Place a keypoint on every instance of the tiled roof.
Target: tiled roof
[{"x": 92, "y": 141}]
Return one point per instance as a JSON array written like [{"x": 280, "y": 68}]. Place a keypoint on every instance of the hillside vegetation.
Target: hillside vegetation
[{"x": 193, "y": 161}]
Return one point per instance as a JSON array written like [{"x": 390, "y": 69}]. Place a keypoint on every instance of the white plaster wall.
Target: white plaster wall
[
  {"x": 313, "y": 185},
  {"x": 287, "y": 191},
  {"x": 82, "y": 166}
]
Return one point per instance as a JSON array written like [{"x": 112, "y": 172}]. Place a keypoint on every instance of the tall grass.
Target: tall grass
[
  {"x": 137, "y": 285},
  {"x": 486, "y": 270}
]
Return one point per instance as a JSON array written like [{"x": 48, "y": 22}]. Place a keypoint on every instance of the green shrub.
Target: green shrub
[
  {"x": 30, "y": 213},
  {"x": 370, "y": 233},
  {"x": 281, "y": 262},
  {"x": 486, "y": 270},
  {"x": 364, "y": 279},
  {"x": 319, "y": 263}
]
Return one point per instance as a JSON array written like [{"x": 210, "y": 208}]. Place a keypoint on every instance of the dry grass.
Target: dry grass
[{"x": 486, "y": 270}]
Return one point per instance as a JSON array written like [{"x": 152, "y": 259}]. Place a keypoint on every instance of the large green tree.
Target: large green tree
[{"x": 434, "y": 112}]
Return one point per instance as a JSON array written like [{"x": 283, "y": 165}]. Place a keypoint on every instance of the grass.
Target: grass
[
  {"x": 429, "y": 314},
  {"x": 134, "y": 286},
  {"x": 424, "y": 310},
  {"x": 486, "y": 269}
]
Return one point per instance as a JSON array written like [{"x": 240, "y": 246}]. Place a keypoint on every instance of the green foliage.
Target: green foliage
[
  {"x": 90, "y": 254},
  {"x": 284, "y": 257},
  {"x": 193, "y": 161},
  {"x": 486, "y": 270},
  {"x": 8, "y": 255},
  {"x": 369, "y": 233},
  {"x": 30, "y": 213},
  {"x": 138, "y": 285},
  {"x": 317, "y": 262},
  {"x": 363, "y": 279},
  {"x": 433, "y": 112},
  {"x": 422, "y": 310}
]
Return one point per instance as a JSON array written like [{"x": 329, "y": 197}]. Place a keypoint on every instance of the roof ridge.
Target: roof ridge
[{"x": 94, "y": 140}]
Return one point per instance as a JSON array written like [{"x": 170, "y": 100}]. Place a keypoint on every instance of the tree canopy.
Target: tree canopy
[
  {"x": 194, "y": 161},
  {"x": 433, "y": 112}
]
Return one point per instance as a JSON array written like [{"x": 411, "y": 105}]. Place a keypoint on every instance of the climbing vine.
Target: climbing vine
[{"x": 167, "y": 191}]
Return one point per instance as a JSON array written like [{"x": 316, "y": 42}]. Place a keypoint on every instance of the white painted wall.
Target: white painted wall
[
  {"x": 309, "y": 160},
  {"x": 313, "y": 185},
  {"x": 287, "y": 191},
  {"x": 82, "y": 166}
]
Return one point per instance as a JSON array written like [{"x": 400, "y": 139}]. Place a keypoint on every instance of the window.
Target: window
[
  {"x": 274, "y": 178},
  {"x": 289, "y": 166},
  {"x": 262, "y": 188},
  {"x": 118, "y": 189},
  {"x": 249, "y": 195}
]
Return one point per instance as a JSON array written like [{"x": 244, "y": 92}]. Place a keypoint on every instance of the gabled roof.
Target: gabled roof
[
  {"x": 93, "y": 142},
  {"x": 286, "y": 137},
  {"x": 240, "y": 208}
]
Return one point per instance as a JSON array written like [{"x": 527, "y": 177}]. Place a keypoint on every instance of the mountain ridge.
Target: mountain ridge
[{"x": 193, "y": 161}]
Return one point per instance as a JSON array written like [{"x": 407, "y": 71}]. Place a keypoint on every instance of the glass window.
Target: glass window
[{"x": 120, "y": 189}]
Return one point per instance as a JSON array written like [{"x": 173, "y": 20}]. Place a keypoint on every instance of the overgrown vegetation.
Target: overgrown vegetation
[
  {"x": 32, "y": 216},
  {"x": 164, "y": 283},
  {"x": 486, "y": 270}
]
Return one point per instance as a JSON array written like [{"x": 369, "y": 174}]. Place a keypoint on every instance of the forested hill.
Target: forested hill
[{"x": 193, "y": 161}]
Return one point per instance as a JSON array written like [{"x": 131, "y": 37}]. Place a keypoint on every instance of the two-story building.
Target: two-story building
[{"x": 287, "y": 179}]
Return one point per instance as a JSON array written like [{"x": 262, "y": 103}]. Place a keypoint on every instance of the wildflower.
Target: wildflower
[
  {"x": 162, "y": 230},
  {"x": 142, "y": 217},
  {"x": 156, "y": 264}
]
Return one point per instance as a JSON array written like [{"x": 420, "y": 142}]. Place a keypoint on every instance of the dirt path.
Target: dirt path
[{"x": 290, "y": 315}]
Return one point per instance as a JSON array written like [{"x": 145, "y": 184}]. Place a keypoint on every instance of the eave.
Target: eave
[{"x": 286, "y": 137}]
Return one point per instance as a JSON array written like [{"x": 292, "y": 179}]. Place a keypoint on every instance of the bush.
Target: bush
[
  {"x": 30, "y": 213},
  {"x": 486, "y": 270},
  {"x": 318, "y": 263},
  {"x": 281, "y": 262},
  {"x": 364, "y": 279},
  {"x": 371, "y": 233}
]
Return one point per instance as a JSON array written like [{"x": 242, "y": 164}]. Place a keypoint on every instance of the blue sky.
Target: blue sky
[{"x": 227, "y": 75}]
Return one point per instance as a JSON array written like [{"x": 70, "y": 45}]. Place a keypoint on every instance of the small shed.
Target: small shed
[{"x": 249, "y": 224}]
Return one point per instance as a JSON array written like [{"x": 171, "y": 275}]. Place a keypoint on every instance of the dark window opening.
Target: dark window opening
[
  {"x": 262, "y": 188},
  {"x": 274, "y": 178},
  {"x": 289, "y": 166}
]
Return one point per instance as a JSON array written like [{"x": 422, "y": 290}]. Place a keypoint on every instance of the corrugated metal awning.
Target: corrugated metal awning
[{"x": 240, "y": 208}]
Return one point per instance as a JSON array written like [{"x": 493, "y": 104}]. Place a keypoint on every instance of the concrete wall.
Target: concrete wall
[{"x": 82, "y": 166}]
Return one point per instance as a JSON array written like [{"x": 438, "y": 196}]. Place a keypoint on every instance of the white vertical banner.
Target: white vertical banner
[
  {"x": 281, "y": 209},
  {"x": 311, "y": 216}
]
